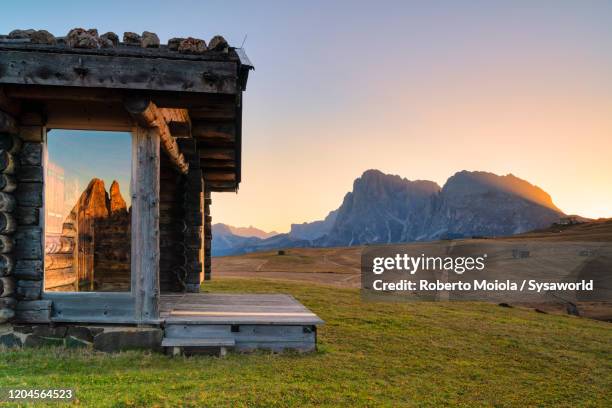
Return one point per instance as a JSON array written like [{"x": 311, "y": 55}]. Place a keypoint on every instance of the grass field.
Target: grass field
[{"x": 370, "y": 354}]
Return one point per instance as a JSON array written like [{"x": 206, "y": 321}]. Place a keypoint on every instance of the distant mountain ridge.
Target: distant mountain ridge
[
  {"x": 251, "y": 231},
  {"x": 313, "y": 230},
  {"x": 383, "y": 208}
]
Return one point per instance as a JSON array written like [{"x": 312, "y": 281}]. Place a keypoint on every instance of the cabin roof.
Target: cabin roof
[{"x": 205, "y": 80}]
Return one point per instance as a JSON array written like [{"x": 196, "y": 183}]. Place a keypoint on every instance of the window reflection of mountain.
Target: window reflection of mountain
[{"x": 94, "y": 243}]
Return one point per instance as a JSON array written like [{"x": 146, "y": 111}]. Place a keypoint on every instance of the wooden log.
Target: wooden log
[
  {"x": 31, "y": 154},
  {"x": 219, "y": 175},
  {"x": 7, "y": 244},
  {"x": 7, "y": 286},
  {"x": 222, "y": 185},
  {"x": 7, "y": 183},
  {"x": 27, "y": 215},
  {"x": 7, "y": 202},
  {"x": 193, "y": 218},
  {"x": 30, "y": 174},
  {"x": 8, "y": 124},
  {"x": 64, "y": 245},
  {"x": 126, "y": 72},
  {"x": 179, "y": 99},
  {"x": 28, "y": 243},
  {"x": 31, "y": 133},
  {"x": 188, "y": 147},
  {"x": 38, "y": 93},
  {"x": 8, "y": 104},
  {"x": 87, "y": 117},
  {"x": 143, "y": 111},
  {"x": 214, "y": 131},
  {"x": 177, "y": 119},
  {"x": 147, "y": 115},
  {"x": 33, "y": 311},
  {"x": 29, "y": 194},
  {"x": 62, "y": 277},
  {"x": 10, "y": 143},
  {"x": 192, "y": 237},
  {"x": 6, "y": 264},
  {"x": 179, "y": 130},
  {"x": 58, "y": 261},
  {"x": 8, "y": 223},
  {"x": 145, "y": 223},
  {"x": 28, "y": 289},
  {"x": 34, "y": 117},
  {"x": 215, "y": 111},
  {"x": 7, "y": 162},
  {"x": 217, "y": 154},
  {"x": 28, "y": 269},
  {"x": 216, "y": 164}
]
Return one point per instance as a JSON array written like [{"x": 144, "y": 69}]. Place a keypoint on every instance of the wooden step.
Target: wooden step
[{"x": 191, "y": 342}]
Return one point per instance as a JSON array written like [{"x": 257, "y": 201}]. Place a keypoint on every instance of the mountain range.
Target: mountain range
[{"x": 383, "y": 208}]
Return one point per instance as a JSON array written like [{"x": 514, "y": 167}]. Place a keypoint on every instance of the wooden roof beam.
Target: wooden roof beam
[
  {"x": 146, "y": 114},
  {"x": 28, "y": 67},
  {"x": 217, "y": 111},
  {"x": 221, "y": 185},
  {"x": 219, "y": 175},
  {"x": 8, "y": 124},
  {"x": 217, "y": 154},
  {"x": 9, "y": 105},
  {"x": 217, "y": 164},
  {"x": 214, "y": 131},
  {"x": 178, "y": 121}
]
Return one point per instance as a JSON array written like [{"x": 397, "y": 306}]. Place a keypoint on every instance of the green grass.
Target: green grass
[{"x": 370, "y": 354}]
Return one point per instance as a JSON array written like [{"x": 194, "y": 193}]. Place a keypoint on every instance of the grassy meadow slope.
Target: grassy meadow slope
[
  {"x": 341, "y": 266},
  {"x": 370, "y": 354}
]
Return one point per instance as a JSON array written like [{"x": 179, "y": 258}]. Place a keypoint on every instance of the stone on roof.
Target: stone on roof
[{"x": 90, "y": 39}]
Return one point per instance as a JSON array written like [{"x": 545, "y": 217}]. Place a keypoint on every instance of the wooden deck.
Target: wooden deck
[
  {"x": 245, "y": 321},
  {"x": 208, "y": 308}
]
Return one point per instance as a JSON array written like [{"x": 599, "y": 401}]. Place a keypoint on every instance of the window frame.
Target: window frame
[{"x": 104, "y": 307}]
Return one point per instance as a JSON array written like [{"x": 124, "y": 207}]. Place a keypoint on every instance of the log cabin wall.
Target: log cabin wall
[
  {"x": 10, "y": 145},
  {"x": 171, "y": 261},
  {"x": 21, "y": 185},
  {"x": 29, "y": 236},
  {"x": 193, "y": 216}
]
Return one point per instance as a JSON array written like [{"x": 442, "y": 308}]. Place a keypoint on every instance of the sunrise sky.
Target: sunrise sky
[{"x": 419, "y": 89}]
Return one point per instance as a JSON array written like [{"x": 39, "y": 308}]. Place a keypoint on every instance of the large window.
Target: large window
[{"x": 87, "y": 211}]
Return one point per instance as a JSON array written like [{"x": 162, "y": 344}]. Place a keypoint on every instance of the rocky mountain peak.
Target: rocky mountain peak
[
  {"x": 480, "y": 182},
  {"x": 384, "y": 208},
  {"x": 94, "y": 200},
  {"x": 117, "y": 203}
]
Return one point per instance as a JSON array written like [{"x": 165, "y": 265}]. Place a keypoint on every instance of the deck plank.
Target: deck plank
[{"x": 226, "y": 308}]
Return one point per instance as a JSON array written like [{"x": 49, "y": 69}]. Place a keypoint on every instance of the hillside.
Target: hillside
[
  {"x": 370, "y": 354},
  {"x": 340, "y": 266}
]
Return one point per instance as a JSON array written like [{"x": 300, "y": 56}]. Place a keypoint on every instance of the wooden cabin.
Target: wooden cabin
[{"x": 109, "y": 154}]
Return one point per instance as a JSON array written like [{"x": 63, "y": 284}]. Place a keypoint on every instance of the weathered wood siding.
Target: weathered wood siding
[
  {"x": 193, "y": 209},
  {"x": 82, "y": 70},
  {"x": 171, "y": 225}
]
